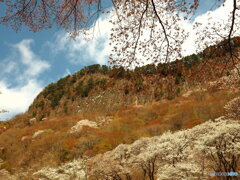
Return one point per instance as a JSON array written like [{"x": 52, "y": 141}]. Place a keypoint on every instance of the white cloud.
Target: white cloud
[
  {"x": 214, "y": 22},
  {"x": 35, "y": 65},
  {"x": 93, "y": 48},
  {"x": 80, "y": 51},
  {"x": 9, "y": 67},
  {"x": 67, "y": 72},
  {"x": 96, "y": 50},
  {"x": 16, "y": 100},
  {"x": 19, "y": 82}
]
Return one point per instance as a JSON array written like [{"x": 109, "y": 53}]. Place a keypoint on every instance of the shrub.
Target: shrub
[
  {"x": 128, "y": 74},
  {"x": 79, "y": 88},
  {"x": 49, "y": 89},
  {"x": 126, "y": 90},
  {"x": 74, "y": 79},
  {"x": 138, "y": 70},
  {"x": 170, "y": 96},
  {"x": 65, "y": 109},
  {"x": 64, "y": 155},
  {"x": 40, "y": 104},
  {"x": 165, "y": 70},
  {"x": 149, "y": 69},
  {"x": 90, "y": 83},
  {"x": 62, "y": 82},
  {"x": 191, "y": 60},
  {"x": 177, "y": 126},
  {"x": 179, "y": 78},
  {"x": 84, "y": 90},
  {"x": 178, "y": 91},
  {"x": 118, "y": 72},
  {"x": 101, "y": 82},
  {"x": 105, "y": 69},
  {"x": 233, "y": 108},
  {"x": 139, "y": 84},
  {"x": 41, "y": 117},
  {"x": 93, "y": 68},
  {"x": 56, "y": 98},
  {"x": 34, "y": 113},
  {"x": 158, "y": 94},
  {"x": 82, "y": 72}
]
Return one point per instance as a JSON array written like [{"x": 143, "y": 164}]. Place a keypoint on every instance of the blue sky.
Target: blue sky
[{"x": 29, "y": 61}]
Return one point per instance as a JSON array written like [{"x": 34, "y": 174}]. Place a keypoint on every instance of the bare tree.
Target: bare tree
[
  {"x": 149, "y": 167},
  {"x": 233, "y": 108}
]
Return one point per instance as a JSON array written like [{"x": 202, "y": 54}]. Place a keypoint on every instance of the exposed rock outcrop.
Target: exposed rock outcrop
[
  {"x": 37, "y": 133},
  {"x": 78, "y": 127}
]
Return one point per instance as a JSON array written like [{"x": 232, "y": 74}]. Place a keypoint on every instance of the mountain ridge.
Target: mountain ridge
[
  {"x": 111, "y": 106},
  {"x": 95, "y": 83}
]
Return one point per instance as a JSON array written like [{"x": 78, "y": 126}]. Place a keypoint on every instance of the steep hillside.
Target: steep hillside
[
  {"x": 98, "y": 108},
  {"x": 102, "y": 89}
]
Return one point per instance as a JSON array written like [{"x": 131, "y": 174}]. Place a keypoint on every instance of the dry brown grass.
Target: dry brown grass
[{"x": 56, "y": 145}]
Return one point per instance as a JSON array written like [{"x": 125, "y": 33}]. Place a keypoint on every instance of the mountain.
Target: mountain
[{"x": 85, "y": 116}]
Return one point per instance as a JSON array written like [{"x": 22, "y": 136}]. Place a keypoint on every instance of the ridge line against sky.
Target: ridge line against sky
[{"x": 29, "y": 61}]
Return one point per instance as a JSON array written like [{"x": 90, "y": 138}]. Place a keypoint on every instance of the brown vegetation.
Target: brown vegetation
[{"x": 126, "y": 105}]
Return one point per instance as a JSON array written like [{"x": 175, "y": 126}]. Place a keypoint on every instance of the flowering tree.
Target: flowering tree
[
  {"x": 153, "y": 31},
  {"x": 233, "y": 108},
  {"x": 188, "y": 154},
  {"x": 38, "y": 15},
  {"x": 222, "y": 145},
  {"x": 144, "y": 30}
]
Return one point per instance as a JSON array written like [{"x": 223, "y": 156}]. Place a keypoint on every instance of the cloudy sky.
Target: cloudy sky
[{"x": 29, "y": 61}]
